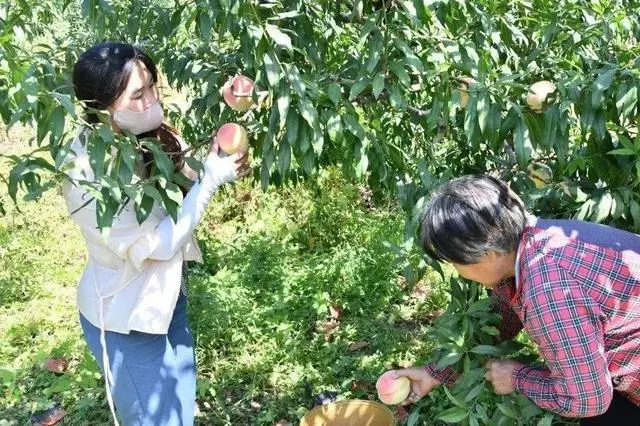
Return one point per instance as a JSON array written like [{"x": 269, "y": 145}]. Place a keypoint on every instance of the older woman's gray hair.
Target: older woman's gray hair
[{"x": 470, "y": 216}]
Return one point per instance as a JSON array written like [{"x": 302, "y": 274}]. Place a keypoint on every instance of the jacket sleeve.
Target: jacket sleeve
[{"x": 155, "y": 238}]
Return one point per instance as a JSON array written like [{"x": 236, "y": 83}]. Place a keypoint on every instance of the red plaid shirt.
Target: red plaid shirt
[{"x": 578, "y": 297}]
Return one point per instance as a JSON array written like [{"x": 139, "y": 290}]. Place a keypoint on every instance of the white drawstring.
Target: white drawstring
[{"x": 108, "y": 376}]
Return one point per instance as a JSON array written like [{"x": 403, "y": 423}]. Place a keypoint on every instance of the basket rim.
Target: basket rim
[{"x": 351, "y": 401}]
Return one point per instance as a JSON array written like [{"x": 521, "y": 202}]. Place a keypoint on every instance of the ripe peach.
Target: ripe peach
[
  {"x": 238, "y": 92},
  {"x": 538, "y": 93},
  {"x": 392, "y": 390},
  {"x": 232, "y": 137},
  {"x": 463, "y": 87}
]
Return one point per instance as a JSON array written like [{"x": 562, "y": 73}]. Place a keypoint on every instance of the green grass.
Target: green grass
[
  {"x": 274, "y": 262},
  {"x": 41, "y": 257}
]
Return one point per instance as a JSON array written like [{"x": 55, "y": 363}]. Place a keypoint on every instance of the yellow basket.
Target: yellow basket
[{"x": 353, "y": 412}]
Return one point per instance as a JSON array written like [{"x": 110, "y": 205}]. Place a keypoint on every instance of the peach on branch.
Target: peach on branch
[{"x": 238, "y": 93}]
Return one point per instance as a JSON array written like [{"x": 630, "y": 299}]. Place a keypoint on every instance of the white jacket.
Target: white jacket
[{"x": 133, "y": 277}]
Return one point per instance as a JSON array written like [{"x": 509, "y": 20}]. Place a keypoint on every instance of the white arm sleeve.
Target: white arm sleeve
[{"x": 168, "y": 236}]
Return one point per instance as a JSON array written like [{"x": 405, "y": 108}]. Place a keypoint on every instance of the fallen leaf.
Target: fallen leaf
[
  {"x": 48, "y": 417},
  {"x": 357, "y": 384},
  {"x": 328, "y": 326},
  {"x": 55, "y": 365},
  {"x": 336, "y": 311},
  {"x": 401, "y": 414},
  {"x": 420, "y": 292},
  {"x": 433, "y": 315},
  {"x": 402, "y": 282},
  {"x": 357, "y": 346}
]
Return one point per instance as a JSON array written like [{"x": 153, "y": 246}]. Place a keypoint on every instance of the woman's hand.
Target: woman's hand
[
  {"x": 421, "y": 383},
  {"x": 240, "y": 158}
]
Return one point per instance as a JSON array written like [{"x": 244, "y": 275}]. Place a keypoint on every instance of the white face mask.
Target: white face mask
[{"x": 139, "y": 122}]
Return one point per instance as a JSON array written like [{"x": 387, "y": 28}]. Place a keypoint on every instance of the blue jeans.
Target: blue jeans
[{"x": 154, "y": 374}]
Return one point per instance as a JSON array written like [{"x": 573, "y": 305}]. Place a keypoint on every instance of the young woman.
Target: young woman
[
  {"x": 132, "y": 297},
  {"x": 573, "y": 286}
]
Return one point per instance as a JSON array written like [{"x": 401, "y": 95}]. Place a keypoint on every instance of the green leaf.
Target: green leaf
[
  {"x": 308, "y": 162},
  {"x": 535, "y": 125},
  {"x": 205, "y": 25},
  {"x": 378, "y": 85},
  {"x": 602, "y": 83},
  {"x": 626, "y": 100},
  {"x": 357, "y": 88},
  {"x": 353, "y": 126},
  {"x": 308, "y": 112},
  {"x": 473, "y": 393},
  {"x": 471, "y": 119},
  {"x": 105, "y": 212},
  {"x": 160, "y": 158},
  {"x": 523, "y": 147},
  {"x": 411, "y": 11},
  {"x": 375, "y": 50},
  {"x": 174, "y": 193},
  {"x": 287, "y": 15},
  {"x": 413, "y": 418},
  {"x": 334, "y": 127},
  {"x": 284, "y": 157},
  {"x": 56, "y": 124},
  {"x": 551, "y": 117},
  {"x": 143, "y": 208},
  {"x": 450, "y": 359},
  {"x": 507, "y": 411},
  {"x": 395, "y": 98},
  {"x": 334, "y": 93},
  {"x": 490, "y": 330},
  {"x": 487, "y": 350},
  {"x": 453, "y": 415},
  {"x": 585, "y": 209},
  {"x": 622, "y": 151},
  {"x": 508, "y": 123},
  {"x": 603, "y": 208},
  {"x": 480, "y": 307},
  {"x": 150, "y": 190},
  {"x": 482, "y": 413},
  {"x": 453, "y": 399},
  {"x": 195, "y": 164},
  {"x": 547, "y": 420},
  {"x": 272, "y": 68},
  {"x": 293, "y": 75},
  {"x": 484, "y": 107},
  {"x": 398, "y": 69},
  {"x": 618, "y": 207},
  {"x": 65, "y": 101},
  {"x": 292, "y": 127},
  {"x": 634, "y": 207},
  {"x": 284, "y": 99},
  {"x": 97, "y": 148},
  {"x": 280, "y": 38}
]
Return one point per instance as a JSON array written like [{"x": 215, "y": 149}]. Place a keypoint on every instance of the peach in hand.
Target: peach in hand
[{"x": 391, "y": 389}]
